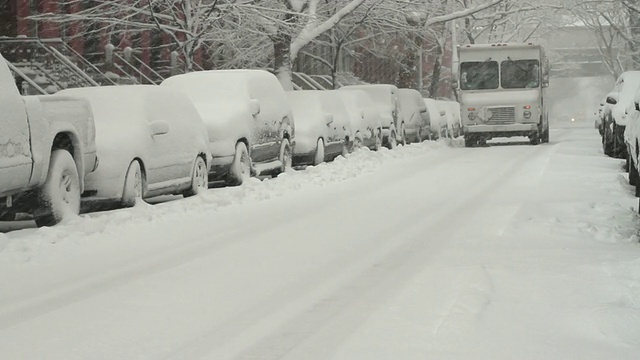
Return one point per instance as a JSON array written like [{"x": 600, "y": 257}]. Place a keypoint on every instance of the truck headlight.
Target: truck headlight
[
  {"x": 527, "y": 115},
  {"x": 472, "y": 116}
]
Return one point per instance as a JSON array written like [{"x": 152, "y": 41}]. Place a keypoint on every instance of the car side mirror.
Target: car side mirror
[
  {"x": 158, "y": 127},
  {"x": 254, "y": 105},
  {"x": 328, "y": 119},
  {"x": 611, "y": 100}
]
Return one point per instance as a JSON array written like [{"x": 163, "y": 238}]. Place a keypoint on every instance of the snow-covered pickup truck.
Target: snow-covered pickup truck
[{"x": 47, "y": 146}]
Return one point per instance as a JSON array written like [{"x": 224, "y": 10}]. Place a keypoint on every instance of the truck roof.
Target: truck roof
[{"x": 499, "y": 46}]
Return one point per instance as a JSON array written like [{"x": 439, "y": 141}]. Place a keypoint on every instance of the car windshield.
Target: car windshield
[
  {"x": 518, "y": 74},
  {"x": 479, "y": 75}
]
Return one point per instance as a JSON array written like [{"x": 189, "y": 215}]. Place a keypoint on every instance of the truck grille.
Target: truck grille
[{"x": 501, "y": 115}]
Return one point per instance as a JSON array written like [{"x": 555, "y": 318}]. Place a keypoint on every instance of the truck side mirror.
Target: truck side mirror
[{"x": 637, "y": 105}]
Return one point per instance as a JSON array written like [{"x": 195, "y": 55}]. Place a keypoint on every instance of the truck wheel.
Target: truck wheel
[
  {"x": 59, "y": 197},
  {"x": 534, "y": 139},
  {"x": 470, "y": 141}
]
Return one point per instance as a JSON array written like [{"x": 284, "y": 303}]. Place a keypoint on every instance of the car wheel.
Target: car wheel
[
  {"x": 378, "y": 143},
  {"x": 199, "y": 178},
  {"x": 403, "y": 136},
  {"x": 633, "y": 172},
  {"x": 607, "y": 145},
  {"x": 133, "y": 191},
  {"x": 357, "y": 143},
  {"x": 241, "y": 167},
  {"x": 286, "y": 156},
  {"x": 392, "y": 142},
  {"x": 319, "y": 157},
  {"x": 60, "y": 195}
]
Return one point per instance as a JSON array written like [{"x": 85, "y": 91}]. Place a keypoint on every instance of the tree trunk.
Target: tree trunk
[
  {"x": 634, "y": 30},
  {"x": 282, "y": 64},
  {"x": 408, "y": 77}
]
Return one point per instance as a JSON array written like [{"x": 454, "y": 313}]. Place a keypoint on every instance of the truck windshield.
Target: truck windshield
[
  {"x": 479, "y": 75},
  {"x": 518, "y": 74}
]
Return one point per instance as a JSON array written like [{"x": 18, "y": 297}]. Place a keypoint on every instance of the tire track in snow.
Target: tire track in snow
[
  {"x": 19, "y": 309},
  {"x": 343, "y": 299}
]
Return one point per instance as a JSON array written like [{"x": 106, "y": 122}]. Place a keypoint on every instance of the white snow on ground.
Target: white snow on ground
[{"x": 429, "y": 251}]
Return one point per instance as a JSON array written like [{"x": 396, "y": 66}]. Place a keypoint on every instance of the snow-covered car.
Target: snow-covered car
[
  {"x": 632, "y": 137},
  {"x": 150, "y": 141},
  {"x": 414, "y": 118},
  {"x": 619, "y": 101},
  {"x": 249, "y": 121},
  {"x": 386, "y": 98},
  {"x": 437, "y": 116},
  {"x": 47, "y": 147},
  {"x": 365, "y": 118},
  {"x": 452, "y": 114},
  {"x": 322, "y": 126}
]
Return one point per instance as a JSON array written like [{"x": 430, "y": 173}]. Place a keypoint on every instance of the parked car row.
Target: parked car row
[
  {"x": 619, "y": 124},
  {"x": 92, "y": 148},
  {"x": 87, "y": 149}
]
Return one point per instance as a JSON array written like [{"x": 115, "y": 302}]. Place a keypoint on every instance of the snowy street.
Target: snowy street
[{"x": 428, "y": 251}]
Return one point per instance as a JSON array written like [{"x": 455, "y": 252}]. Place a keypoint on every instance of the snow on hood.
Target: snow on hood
[{"x": 626, "y": 96}]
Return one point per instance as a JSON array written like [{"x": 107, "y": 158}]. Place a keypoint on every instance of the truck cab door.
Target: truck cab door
[{"x": 15, "y": 147}]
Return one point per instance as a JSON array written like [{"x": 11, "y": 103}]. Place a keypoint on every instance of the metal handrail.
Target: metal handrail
[
  {"x": 135, "y": 69},
  {"x": 26, "y": 78}
]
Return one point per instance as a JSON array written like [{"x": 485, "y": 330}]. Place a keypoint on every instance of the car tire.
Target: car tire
[
  {"x": 199, "y": 178},
  {"x": 320, "y": 154},
  {"x": 633, "y": 172},
  {"x": 392, "y": 142},
  {"x": 240, "y": 170},
  {"x": 60, "y": 194},
  {"x": 286, "y": 156},
  {"x": 378, "y": 144},
  {"x": 133, "y": 190},
  {"x": 357, "y": 142},
  {"x": 403, "y": 136}
]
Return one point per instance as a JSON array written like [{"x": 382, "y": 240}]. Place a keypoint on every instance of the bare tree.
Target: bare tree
[{"x": 188, "y": 23}]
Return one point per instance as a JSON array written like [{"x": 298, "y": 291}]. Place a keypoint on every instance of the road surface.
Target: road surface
[{"x": 432, "y": 251}]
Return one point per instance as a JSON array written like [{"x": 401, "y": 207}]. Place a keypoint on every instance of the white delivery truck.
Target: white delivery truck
[{"x": 501, "y": 90}]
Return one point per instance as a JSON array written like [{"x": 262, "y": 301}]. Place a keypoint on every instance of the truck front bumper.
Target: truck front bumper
[{"x": 505, "y": 130}]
